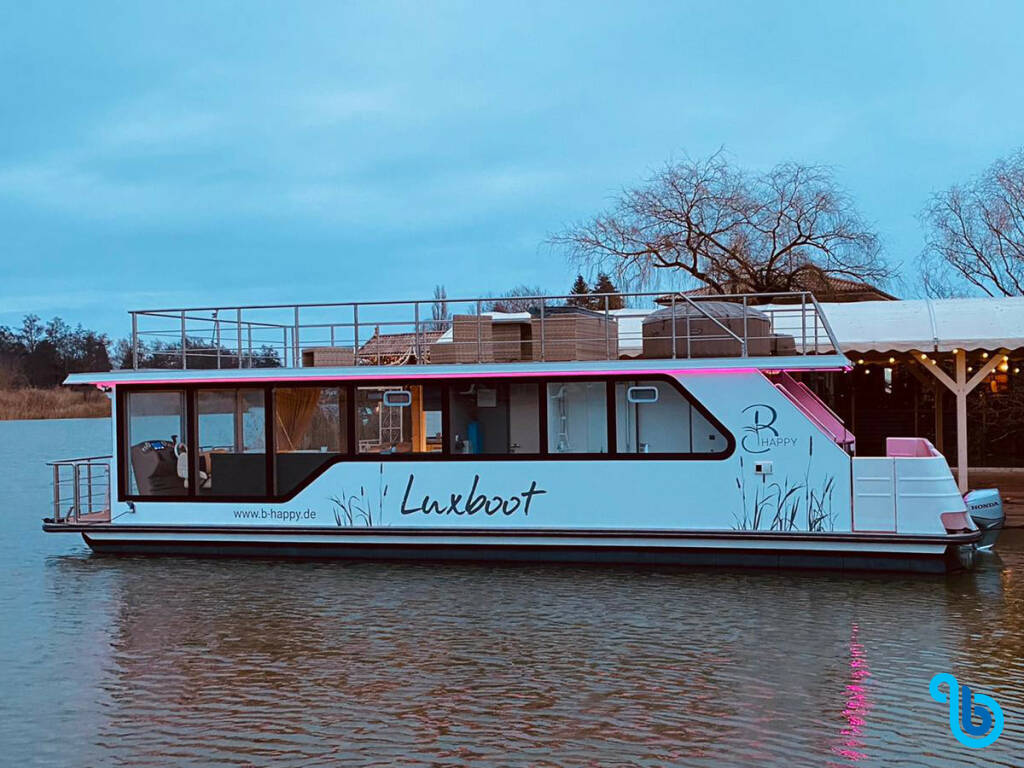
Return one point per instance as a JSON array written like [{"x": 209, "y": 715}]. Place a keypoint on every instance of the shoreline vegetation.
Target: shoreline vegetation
[{"x": 53, "y": 403}]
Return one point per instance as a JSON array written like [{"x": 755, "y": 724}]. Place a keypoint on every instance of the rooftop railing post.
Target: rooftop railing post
[
  {"x": 416, "y": 332},
  {"x": 135, "y": 340},
  {"x": 689, "y": 336},
  {"x": 184, "y": 346},
  {"x": 355, "y": 331},
  {"x": 607, "y": 330},
  {"x": 216, "y": 335},
  {"x": 542, "y": 350},
  {"x": 825, "y": 325},
  {"x": 803, "y": 322},
  {"x": 238, "y": 323},
  {"x": 284, "y": 347},
  {"x": 745, "y": 331},
  {"x": 296, "y": 353},
  {"x": 332, "y": 334},
  {"x": 479, "y": 332},
  {"x": 673, "y": 306},
  {"x": 248, "y": 329}
]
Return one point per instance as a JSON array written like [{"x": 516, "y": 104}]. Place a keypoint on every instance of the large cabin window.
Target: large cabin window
[
  {"x": 494, "y": 417},
  {"x": 156, "y": 429},
  {"x": 231, "y": 436},
  {"x": 399, "y": 419},
  {"x": 316, "y": 425},
  {"x": 577, "y": 417},
  {"x": 310, "y": 430},
  {"x": 655, "y": 417}
]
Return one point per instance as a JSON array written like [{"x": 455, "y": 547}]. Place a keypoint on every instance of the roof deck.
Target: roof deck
[{"x": 514, "y": 331}]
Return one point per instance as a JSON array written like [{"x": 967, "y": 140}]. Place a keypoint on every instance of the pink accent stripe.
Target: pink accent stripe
[{"x": 405, "y": 375}]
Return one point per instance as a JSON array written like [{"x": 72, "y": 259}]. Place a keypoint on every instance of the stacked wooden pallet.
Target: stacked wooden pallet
[
  {"x": 472, "y": 342},
  {"x": 327, "y": 357},
  {"x": 567, "y": 336},
  {"x": 575, "y": 337},
  {"x": 511, "y": 342}
]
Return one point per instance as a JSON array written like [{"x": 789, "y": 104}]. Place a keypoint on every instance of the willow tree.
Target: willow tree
[
  {"x": 975, "y": 233},
  {"x": 732, "y": 230}
]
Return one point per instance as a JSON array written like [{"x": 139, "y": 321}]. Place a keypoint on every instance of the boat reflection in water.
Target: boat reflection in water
[{"x": 299, "y": 663}]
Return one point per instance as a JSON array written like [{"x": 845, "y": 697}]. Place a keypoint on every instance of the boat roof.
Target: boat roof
[{"x": 466, "y": 370}]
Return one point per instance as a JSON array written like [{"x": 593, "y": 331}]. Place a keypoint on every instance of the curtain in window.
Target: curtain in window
[{"x": 293, "y": 413}]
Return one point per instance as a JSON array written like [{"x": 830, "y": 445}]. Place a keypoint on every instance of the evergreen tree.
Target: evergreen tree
[
  {"x": 604, "y": 284},
  {"x": 580, "y": 293}
]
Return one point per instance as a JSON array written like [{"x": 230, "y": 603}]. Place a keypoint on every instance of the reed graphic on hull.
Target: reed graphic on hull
[
  {"x": 360, "y": 509},
  {"x": 792, "y": 505}
]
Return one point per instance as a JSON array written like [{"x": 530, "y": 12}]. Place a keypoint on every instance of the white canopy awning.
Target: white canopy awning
[{"x": 928, "y": 325}]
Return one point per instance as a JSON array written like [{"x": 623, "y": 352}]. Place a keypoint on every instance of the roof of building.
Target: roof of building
[
  {"x": 397, "y": 348},
  {"x": 826, "y": 288}
]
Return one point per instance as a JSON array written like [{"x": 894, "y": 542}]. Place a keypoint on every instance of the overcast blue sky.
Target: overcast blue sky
[{"x": 168, "y": 154}]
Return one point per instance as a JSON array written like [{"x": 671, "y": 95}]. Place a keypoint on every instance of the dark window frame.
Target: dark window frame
[
  {"x": 346, "y": 430},
  {"x": 444, "y": 455},
  {"x": 122, "y": 426},
  {"x": 445, "y": 419}
]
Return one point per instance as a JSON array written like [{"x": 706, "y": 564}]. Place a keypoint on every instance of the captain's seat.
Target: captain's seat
[{"x": 182, "y": 453}]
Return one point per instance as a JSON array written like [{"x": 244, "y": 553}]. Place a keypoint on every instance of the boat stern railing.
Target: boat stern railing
[{"x": 81, "y": 489}]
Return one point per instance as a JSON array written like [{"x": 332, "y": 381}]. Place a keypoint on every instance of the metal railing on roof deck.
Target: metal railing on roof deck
[{"x": 481, "y": 330}]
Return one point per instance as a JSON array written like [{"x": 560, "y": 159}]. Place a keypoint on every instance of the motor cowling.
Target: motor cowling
[{"x": 985, "y": 506}]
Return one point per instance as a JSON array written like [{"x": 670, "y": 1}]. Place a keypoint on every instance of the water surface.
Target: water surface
[{"x": 179, "y": 661}]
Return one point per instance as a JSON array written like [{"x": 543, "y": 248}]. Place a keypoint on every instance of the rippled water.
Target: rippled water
[{"x": 136, "y": 662}]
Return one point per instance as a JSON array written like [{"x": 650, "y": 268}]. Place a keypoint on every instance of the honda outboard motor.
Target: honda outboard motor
[{"x": 986, "y": 510}]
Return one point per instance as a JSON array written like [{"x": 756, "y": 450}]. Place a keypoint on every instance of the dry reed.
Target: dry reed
[{"x": 55, "y": 403}]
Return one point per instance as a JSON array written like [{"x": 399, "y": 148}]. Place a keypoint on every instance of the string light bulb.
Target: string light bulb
[
  {"x": 892, "y": 360},
  {"x": 984, "y": 355},
  {"x": 860, "y": 361}
]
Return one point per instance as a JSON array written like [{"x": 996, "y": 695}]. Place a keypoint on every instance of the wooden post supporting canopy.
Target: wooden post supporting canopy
[{"x": 960, "y": 387}]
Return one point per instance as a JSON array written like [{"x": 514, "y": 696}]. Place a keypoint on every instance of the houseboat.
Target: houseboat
[{"x": 682, "y": 432}]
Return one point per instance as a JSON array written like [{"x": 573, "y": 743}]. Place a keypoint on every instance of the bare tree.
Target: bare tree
[
  {"x": 441, "y": 318},
  {"x": 517, "y": 299},
  {"x": 976, "y": 233},
  {"x": 731, "y": 230}
]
